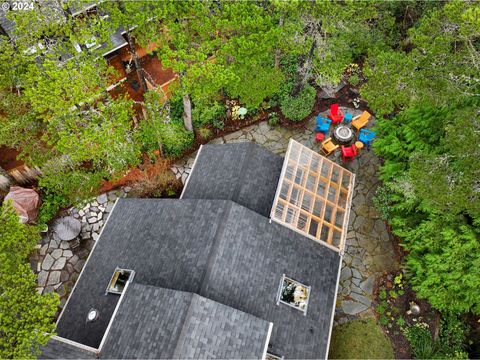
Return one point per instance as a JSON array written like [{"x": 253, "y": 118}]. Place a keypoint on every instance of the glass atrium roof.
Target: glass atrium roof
[{"x": 314, "y": 196}]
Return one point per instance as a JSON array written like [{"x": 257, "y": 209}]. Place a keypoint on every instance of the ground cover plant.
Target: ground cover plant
[{"x": 360, "y": 339}]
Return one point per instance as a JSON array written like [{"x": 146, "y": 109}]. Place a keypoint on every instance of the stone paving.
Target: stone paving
[
  {"x": 369, "y": 251},
  {"x": 57, "y": 264}
]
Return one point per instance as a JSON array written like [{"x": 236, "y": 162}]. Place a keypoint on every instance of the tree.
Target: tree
[{"x": 26, "y": 317}]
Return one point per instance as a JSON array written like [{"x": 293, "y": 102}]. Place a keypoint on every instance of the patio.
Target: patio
[{"x": 368, "y": 249}]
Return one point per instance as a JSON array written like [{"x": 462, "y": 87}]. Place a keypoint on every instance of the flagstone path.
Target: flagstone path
[{"x": 369, "y": 251}]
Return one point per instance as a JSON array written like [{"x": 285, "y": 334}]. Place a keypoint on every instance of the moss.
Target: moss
[{"x": 360, "y": 339}]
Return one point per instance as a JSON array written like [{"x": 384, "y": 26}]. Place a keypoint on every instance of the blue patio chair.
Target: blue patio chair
[
  {"x": 323, "y": 124},
  {"x": 348, "y": 117},
  {"x": 366, "y": 137}
]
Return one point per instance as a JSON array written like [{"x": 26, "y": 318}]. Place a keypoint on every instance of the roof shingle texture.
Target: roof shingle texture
[
  {"x": 56, "y": 349},
  {"x": 219, "y": 250},
  {"x": 170, "y": 324},
  {"x": 244, "y": 172}
]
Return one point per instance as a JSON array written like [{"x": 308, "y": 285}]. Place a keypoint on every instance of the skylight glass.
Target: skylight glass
[
  {"x": 293, "y": 293},
  {"x": 314, "y": 196}
]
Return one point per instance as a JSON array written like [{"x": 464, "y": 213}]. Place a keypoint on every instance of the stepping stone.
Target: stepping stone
[
  {"x": 92, "y": 220},
  {"x": 64, "y": 245},
  {"x": 42, "y": 278},
  {"x": 353, "y": 307},
  {"x": 59, "y": 264},
  {"x": 367, "y": 285},
  {"x": 67, "y": 253},
  {"x": 356, "y": 274},
  {"x": 345, "y": 274},
  {"x": 57, "y": 253},
  {"x": 54, "y": 278},
  {"x": 362, "y": 299},
  {"x": 79, "y": 265},
  {"x": 47, "y": 262},
  {"x": 64, "y": 275},
  {"x": 112, "y": 196},
  {"x": 102, "y": 199}
]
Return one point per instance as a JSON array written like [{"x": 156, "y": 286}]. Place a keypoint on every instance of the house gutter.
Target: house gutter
[{"x": 191, "y": 171}]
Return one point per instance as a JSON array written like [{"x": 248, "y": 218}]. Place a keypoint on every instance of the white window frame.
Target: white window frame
[
  {"x": 117, "y": 269},
  {"x": 279, "y": 294}
]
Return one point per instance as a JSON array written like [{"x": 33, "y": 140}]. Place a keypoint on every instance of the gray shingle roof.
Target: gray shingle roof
[
  {"x": 245, "y": 173},
  {"x": 170, "y": 324},
  {"x": 219, "y": 250},
  {"x": 56, "y": 349},
  {"x": 6, "y": 24}
]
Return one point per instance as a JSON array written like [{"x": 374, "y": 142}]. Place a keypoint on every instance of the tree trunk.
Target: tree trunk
[
  {"x": 304, "y": 71},
  {"x": 138, "y": 67},
  {"x": 187, "y": 112},
  {"x": 5, "y": 180}
]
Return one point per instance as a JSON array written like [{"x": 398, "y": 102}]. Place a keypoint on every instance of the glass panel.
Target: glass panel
[
  {"x": 295, "y": 196},
  {"x": 336, "y": 238},
  {"x": 307, "y": 202},
  {"x": 332, "y": 193},
  {"x": 315, "y": 163},
  {"x": 302, "y": 222},
  {"x": 325, "y": 169},
  {"x": 294, "y": 152},
  {"x": 310, "y": 185},
  {"x": 342, "y": 199},
  {"x": 299, "y": 176},
  {"x": 335, "y": 174},
  {"x": 279, "y": 211},
  {"x": 317, "y": 208},
  {"x": 324, "y": 233},
  {"x": 345, "y": 180},
  {"x": 321, "y": 187},
  {"x": 284, "y": 190},
  {"x": 313, "y": 227},
  {"x": 291, "y": 213},
  {"x": 289, "y": 171},
  {"x": 305, "y": 157},
  {"x": 339, "y": 218},
  {"x": 328, "y": 213}
]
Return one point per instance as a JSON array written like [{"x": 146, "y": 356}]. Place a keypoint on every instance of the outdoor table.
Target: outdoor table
[
  {"x": 358, "y": 145},
  {"x": 67, "y": 228}
]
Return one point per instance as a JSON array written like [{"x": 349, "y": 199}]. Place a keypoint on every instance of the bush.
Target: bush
[
  {"x": 421, "y": 342},
  {"x": 298, "y": 108},
  {"x": 205, "y": 114},
  {"x": 158, "y": 181},
  {"x": 354, "y": 80},
  {"x": 175, "y": 138},
  {"x": 273, "y": 119},
  {"x": 204, "y": 133}
]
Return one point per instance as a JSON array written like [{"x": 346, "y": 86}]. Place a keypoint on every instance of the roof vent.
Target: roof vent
[{"x": 92, "y": 315}]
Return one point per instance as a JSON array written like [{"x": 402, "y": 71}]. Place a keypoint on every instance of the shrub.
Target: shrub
[
  {"x": 158, "y": 181},
  {"x": 421, "y": 342},
  {"x": 204, "y": 133},
  {"x": 297, "y": 108},
  {"x": 273, "y": 119},
  {"x": 175, "y": 139},
  {"x": 354, "y": 80},
  {"x": 204, "y": 114}
]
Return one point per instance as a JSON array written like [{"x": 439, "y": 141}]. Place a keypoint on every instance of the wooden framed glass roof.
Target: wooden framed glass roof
[{"x": 314, "y": 196}]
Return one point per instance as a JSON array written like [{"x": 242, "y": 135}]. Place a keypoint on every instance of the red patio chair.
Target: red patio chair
[
  {"x": 336, "y": 115},
  {"x": 348, "y": 153},
  {"x": 319, "y": 136}
]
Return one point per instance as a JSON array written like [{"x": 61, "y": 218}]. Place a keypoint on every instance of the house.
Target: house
[{"x": 220, "y": 272}]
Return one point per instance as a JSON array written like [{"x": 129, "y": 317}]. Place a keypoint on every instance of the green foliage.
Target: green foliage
[
  {"x": 421, "y": 342},
  {"x": 175, "y": 139},
  {"x": 360, "y": 339},
  {"x": 297, "y": 108},
  {"x": 208, "y": 114},
  {"x": 205, "y": 133},
  {"x": 273, "y": 119},
  {"x": 354, "y": 80},
  {"x": 26, "y": 320}
]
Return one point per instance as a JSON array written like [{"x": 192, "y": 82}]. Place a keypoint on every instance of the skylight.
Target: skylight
[
  {"x": 313, "y": 196},
  {"x": 293, "y": 293},
  {"x": 119, "y": 280}
]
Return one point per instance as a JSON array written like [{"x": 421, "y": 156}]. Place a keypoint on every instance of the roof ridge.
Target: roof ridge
[
  {"x": 214, "y": 249},
  {"x": 182, "y": 333},
  {"x": 245, "y": 163}
]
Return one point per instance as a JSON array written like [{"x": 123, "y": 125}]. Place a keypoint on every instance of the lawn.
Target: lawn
[{"x": 360, "y": 339}]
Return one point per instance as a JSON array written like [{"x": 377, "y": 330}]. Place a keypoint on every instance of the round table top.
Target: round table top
[
  {"x": 358, "y": 144},
  {"x": 67, "y": 228}
]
